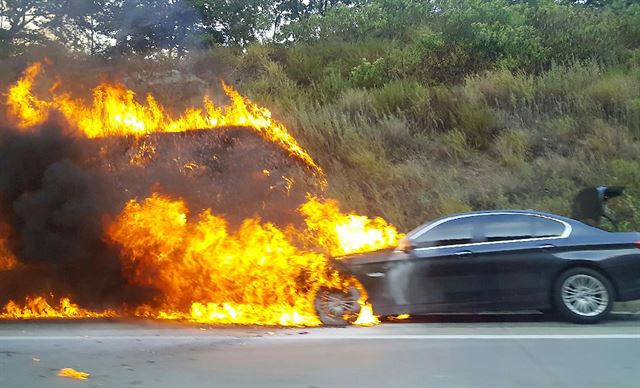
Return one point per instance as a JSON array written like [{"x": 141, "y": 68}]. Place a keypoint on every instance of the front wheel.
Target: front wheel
[
  {"x": 336, "y": 307},
  {"x": 582, "y": 295}
]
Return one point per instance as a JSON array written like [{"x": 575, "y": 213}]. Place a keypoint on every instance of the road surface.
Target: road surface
[{"x": 460, "y": 351}]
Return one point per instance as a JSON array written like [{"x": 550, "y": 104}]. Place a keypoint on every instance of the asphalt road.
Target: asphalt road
[{"x": 460, "y": 351}]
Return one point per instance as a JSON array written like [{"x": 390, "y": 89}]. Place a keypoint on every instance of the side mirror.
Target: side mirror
[{"x": 406, "y": 245}]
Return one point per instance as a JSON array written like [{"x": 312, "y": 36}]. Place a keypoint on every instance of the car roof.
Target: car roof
[
  {"x": 498, "y": 211},
  {"x": 506, "y": 211}
]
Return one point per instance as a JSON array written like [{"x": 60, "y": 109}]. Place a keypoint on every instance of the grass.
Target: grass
[{"x": 409, "y": 150}]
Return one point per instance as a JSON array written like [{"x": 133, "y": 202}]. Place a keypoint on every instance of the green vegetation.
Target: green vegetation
[{"x": 419, "y": 108}]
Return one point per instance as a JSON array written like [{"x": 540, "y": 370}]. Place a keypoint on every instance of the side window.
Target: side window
[
  {"x": 544, "y": 227},
  {"x": 505, "y": 227},
  {"x": 457, "y": 231}
]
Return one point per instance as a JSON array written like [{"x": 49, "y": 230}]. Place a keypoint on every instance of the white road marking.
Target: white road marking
[
  {"x": 298, "y": 337},
  {"x": 469, "y": 336}
]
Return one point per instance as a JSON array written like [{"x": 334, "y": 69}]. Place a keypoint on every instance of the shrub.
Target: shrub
[
  {"x": 452, "y": 205},
  {"x": 368, "y": 74},
  {"x": 479, "y": 124},
  {"x": 612, "y": 93},
  {"x": 499, "y": 88},
  {"x": 400, "y": 96},
  {"x": 512, "y": 148},
  {"x": 356, "y": 102},
  {"x": 455, "y": 143},
  {"x": 632, "y": 116}
]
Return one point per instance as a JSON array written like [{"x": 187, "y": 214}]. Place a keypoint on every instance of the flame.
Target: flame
[
  {"x": 366, "y": 317},
  {"x": 400, "y": 317},
  {"x": 208, "y": 273},
  {"x": 343, "y": 234},
  {"x": 7, "y": 260},
  {"x": 74, "y": 374},
  {"x": 115, "y": 111},
  {"x": 204, "y": 271},
  {"x": 38, "y": 307},
  {"x": 21, "y": 102}
]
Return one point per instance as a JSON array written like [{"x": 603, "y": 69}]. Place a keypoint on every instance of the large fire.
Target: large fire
[
  {"x": 204, "y": 270},
  {"x": 210, "y": 273},
  {"x": 115, "y": 111}
]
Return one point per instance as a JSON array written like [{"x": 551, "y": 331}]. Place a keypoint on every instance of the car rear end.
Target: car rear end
[{"x": 624, "y": 267}]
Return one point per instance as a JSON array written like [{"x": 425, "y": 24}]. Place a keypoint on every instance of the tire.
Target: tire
[
  {"x": 337, "y": 307},
  {"x": 583, "y": 295}
]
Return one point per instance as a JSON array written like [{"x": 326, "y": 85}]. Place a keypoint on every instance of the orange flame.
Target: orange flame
[
  {"x": 115, "y": 111},
  {"x": 7, "y": 260},
  {"x": 205, "y": 272},
  {"x": 366, "y": 317},
  {"x": 73, "y": 374},
  {"x": 400, "y": 317},
  {"x": 21, "y": 102},
  {"x": 343, "y": 234},
  {"x": 38, "y": 308}
]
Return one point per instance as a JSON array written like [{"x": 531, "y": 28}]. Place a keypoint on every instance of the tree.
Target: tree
[
  {"x": 151, "y": 25},
  {"x": 19, "y": 19},
  {"x": 235, "y": 22},
  {"x": 85, "y": 25}
]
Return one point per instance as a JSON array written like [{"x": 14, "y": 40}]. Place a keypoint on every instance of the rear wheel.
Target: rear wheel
[
  {"x": 337, "y": 307},
  {"x": 582, "y": 295}
]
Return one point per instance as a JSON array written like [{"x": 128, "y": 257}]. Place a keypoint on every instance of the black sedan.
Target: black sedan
[{"x": 494, "y": 261}]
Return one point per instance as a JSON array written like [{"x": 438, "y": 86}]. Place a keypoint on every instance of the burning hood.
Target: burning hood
[{"x": 365, "y": 257}]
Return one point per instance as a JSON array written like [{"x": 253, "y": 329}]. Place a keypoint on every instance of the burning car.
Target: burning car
[{"x": 498, "y": 260}]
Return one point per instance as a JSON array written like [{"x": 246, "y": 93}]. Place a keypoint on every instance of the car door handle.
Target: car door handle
[
  {"x": 463, "y": 253},
  {"x": 546, "y": 246}
]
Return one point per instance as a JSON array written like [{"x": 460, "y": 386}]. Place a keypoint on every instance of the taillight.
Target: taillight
[{"x": 637, "y": 244}]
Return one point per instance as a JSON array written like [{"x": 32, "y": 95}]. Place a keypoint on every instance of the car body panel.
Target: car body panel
[{"x": 492, "y": 275}]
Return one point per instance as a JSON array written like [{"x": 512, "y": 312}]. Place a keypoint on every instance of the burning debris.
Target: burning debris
[
  {"x": 73, "y": 374},
  {"x": 127, "y": 219}
]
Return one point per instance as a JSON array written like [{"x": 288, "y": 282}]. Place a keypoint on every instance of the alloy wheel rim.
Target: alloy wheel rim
[
  {"x": 585, "y": 295},
  {"x": 336, "y": 305}
]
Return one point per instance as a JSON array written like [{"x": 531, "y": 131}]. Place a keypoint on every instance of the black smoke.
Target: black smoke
[
  {"x": 55, "y": 200},
  {"x": 60, "y": 191}
]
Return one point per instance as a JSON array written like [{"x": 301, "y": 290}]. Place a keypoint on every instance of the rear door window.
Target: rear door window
[
  {"x": 545, "y": 227},
  {"x": 507, "y": 227}
]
